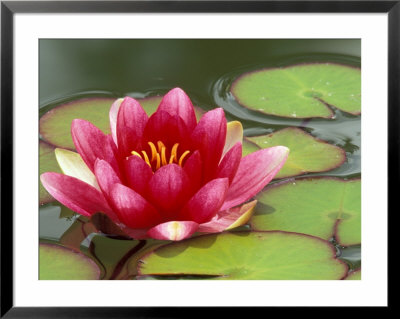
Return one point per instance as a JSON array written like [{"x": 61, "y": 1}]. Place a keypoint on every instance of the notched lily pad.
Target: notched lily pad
[
  {"x": 301, "y": 91},
  {"x": 60, "y": 263},
  {"x": 308, "y": 154},
  {"x": 324, "y": 207},
  {"x": 47, "y": 163},
  {"x": 247, "y": 255},
  {"x": 55, "y": 125}
]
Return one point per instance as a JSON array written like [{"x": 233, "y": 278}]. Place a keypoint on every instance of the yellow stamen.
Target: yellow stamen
[
  {"x": 136, "y": 153},
  {"x": 153, "y": 151},
  {"x": 158, "y": 161},
  {"x": 160, "y": 146},
  {"x": 182, "y": 157},
  {"x": 146, "y": 158},
  {"x": 159, "y": 155},
  {"x": 174, "y": 154},
  {"x": 163, "y": 157}
]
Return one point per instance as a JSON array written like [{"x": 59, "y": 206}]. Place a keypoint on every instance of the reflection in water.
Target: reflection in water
[{"x": 351, "y": 255}]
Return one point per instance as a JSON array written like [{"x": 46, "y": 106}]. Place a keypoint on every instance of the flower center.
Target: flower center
[{"x": 160, "y": 156}]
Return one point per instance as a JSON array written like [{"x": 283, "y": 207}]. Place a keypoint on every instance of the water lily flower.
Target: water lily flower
[{"x": 166, "y": 176}]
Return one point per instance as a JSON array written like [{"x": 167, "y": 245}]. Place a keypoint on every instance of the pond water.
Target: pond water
[{"x": 205, "y": 70}]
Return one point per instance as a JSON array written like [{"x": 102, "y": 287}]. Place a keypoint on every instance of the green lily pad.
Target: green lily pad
[
  {"x": 301, "y": 91},
  {"x": 323, "y": 207},
  {"x": 47, "y": 163},
  {"x": 55, "y": 125},
  {"x": 354, "y": 275},
  {"x": 248, "y": 147},
  {"x": 247, "y": 255},
  {"x": 307, "y": 154},
  {"x": 60, "y": 263}
]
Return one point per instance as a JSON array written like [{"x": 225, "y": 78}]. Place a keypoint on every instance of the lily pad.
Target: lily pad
[
  {"x": 248, "y": 147},
  {"x": 55, "y": 125},
  {"x": 354, "y": 275},
  {"x": 308, "y": 154},
  {"x": 301, "y": 91},
  {"x": 323, "y": 207},
  {"x": 60, "y": 263},
  {"x": 47, "y": 163},
  {"x": 247, "y": 255}
]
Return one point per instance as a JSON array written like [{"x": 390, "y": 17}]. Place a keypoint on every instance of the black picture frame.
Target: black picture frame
[{"x": 9, "y": 8}]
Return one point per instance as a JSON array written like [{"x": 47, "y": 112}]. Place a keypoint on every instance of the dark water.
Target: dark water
[{"x": 204, "y": 69}]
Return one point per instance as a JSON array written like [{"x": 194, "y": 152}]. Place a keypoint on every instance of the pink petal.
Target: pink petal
[
  {"x": 228, "y": 219},
  {"x": 206, "y": 202},
  {"x": 176, "y": 102},
  {"x": 169, "y": 189},
  {"x": 75, "y": 194},
  {"x": 174, "y": 230},
  {"x": 230, "y": 162},
  {"x": 193, "y": 168},
  {"x": 113, "y": 114},
  {"x": 169, "y": 129},
  {"x": 138, "y": 174},
  {"x": 107, "y": 178},
  {"x": 91, "y": 143},
  {"x": 209, "y": 138},
  {"x": 131, "y": 122},
  {"x": 132, "y": 209},
  {"x": 255, "y": 171}
]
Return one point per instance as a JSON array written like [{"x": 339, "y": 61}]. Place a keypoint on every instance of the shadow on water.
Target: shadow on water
[{"x": 263, "y": 209}]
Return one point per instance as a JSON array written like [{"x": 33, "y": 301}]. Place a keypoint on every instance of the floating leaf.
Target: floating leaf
[
  {"x": 247, "y": 255},
  {"x": 60, "y": 263},
  {"x": 307, "y": 153},
  {"x": 322, "y": 207},
  {"x": 248, "y": 147},
  {"x": 47, "y": 163},
  {"x": 354, "y": 275},
  {"x": 55, "y": 125},
  {"x": 301, "y": 91}
]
